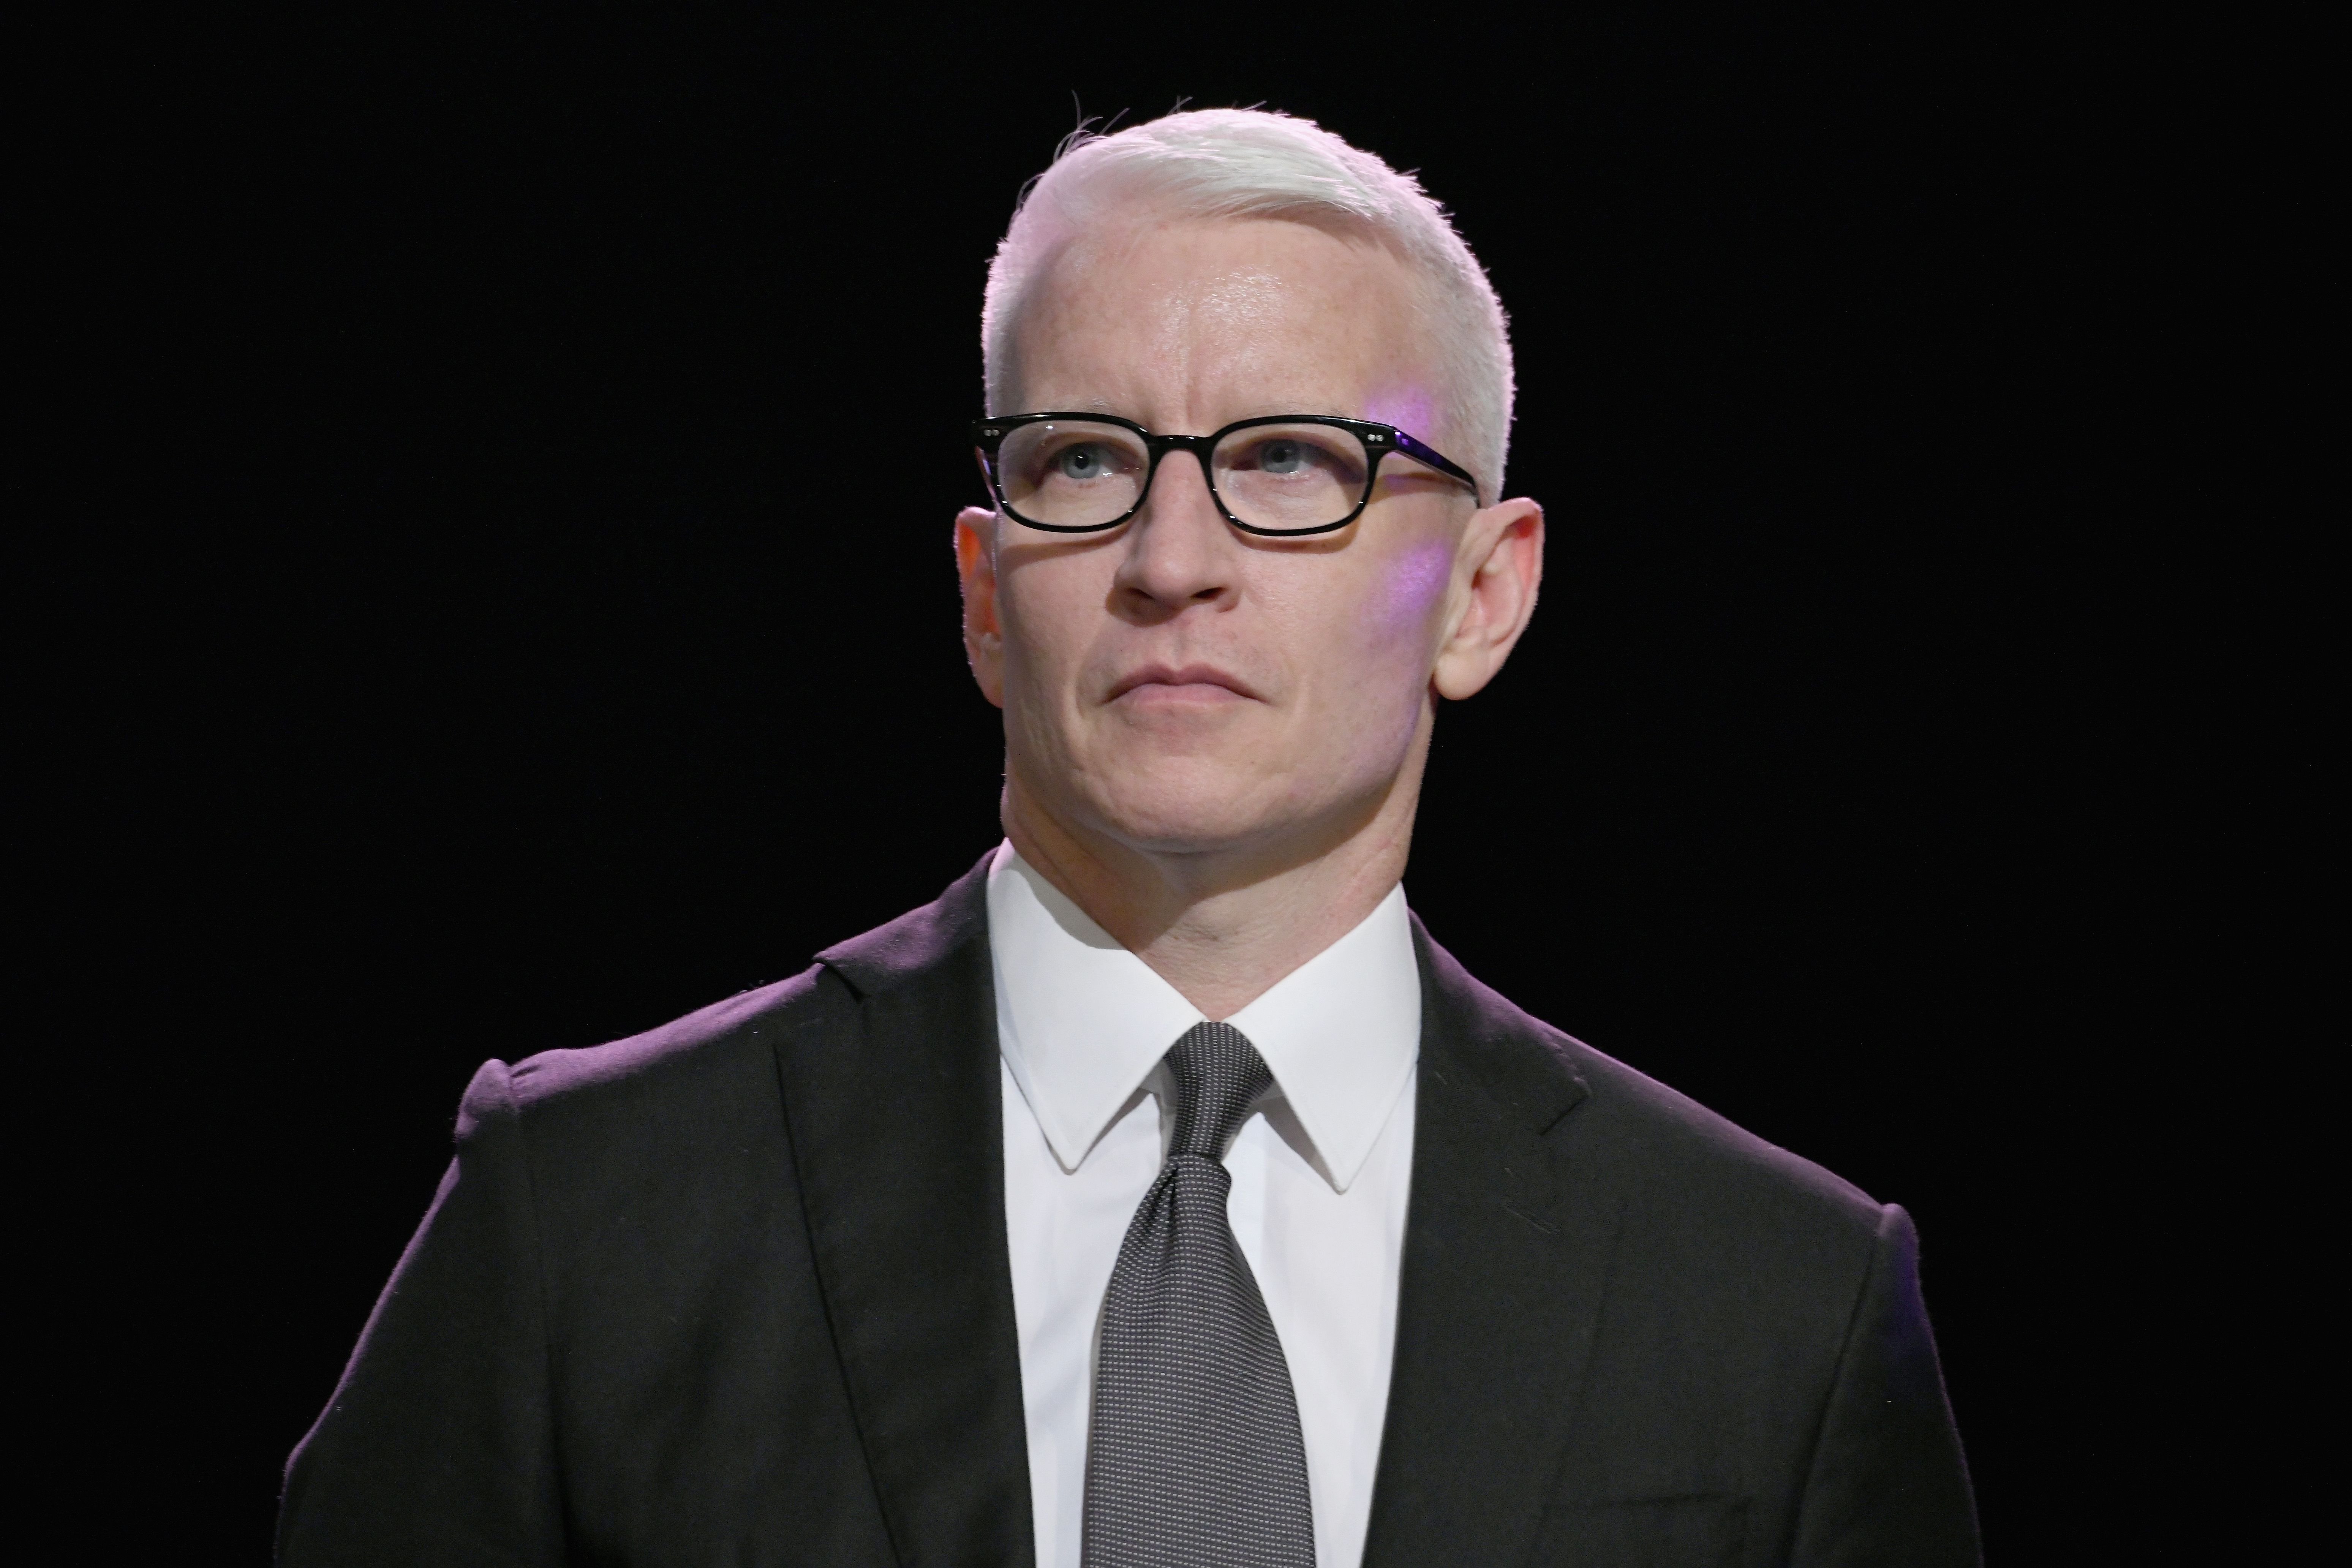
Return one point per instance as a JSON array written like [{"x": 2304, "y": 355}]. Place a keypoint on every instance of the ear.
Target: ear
[
  {"x": 1499, "y": 568},
  {"x": 984, "y": 634}
]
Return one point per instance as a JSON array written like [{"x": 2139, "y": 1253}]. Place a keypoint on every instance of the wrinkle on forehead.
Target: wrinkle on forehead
[{"x": 1234, "y": 310}]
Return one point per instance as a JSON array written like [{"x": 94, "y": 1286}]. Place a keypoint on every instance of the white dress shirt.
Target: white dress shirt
[{"x": 1321, "y": 1171}]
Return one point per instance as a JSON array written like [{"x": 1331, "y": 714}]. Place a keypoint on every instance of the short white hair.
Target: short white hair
[{"x": 1247, "y": 163}]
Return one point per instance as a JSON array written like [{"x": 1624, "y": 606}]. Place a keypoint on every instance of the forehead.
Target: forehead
[{"x": 1223, "y": 319}]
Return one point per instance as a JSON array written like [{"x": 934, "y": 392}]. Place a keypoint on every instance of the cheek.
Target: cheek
[
  {"x": 1038, "y": 605},
  {"x": 1412, "y": 587}
]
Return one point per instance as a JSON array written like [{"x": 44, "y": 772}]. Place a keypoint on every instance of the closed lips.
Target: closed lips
[{"x": 1190, "y": 675}]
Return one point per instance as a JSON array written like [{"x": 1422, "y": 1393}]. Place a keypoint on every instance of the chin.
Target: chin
[
  {"x": 1195, "y": 805},
  {"x": 1187, "y": 810}
]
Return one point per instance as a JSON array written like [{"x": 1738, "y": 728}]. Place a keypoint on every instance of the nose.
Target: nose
[{"x": 1179, "y": 551}]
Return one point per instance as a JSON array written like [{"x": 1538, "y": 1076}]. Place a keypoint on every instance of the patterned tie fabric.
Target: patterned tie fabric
[{"x": 1195, "y": 1458}]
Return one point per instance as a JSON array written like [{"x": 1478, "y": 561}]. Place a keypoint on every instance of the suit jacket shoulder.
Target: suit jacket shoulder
[
  {"x": 685, "y": 1059},
  {"x": 1677, "y": 1143},
  {"x": 1700, "y": 1169},
  {"x": 719, "y": 1061}
]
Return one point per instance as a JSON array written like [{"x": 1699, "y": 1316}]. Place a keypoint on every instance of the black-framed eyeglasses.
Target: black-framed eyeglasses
[{"x": 1283, "y": 474}]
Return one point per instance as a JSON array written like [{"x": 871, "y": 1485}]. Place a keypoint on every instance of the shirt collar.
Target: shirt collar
[{"x": 1082, "y": 1022}]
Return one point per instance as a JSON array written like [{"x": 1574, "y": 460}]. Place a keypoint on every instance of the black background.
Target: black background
[{"x": 504, "y": 645}]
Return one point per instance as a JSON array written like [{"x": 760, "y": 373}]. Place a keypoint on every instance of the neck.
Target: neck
[{"x": 1223, "y": 923}]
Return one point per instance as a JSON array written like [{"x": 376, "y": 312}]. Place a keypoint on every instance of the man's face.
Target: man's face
[{"x": 1174, "y": 683}]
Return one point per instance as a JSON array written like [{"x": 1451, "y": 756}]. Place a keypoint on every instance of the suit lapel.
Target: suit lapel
[
  {"x": 893, "y": 1099},
  {"x": 1506, "y": 1260}
]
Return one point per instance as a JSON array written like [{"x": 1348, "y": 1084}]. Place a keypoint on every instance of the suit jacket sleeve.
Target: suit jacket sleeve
[
  {"x": 1887, "y": 1483},
  {"x": 437, "y": 1446}
]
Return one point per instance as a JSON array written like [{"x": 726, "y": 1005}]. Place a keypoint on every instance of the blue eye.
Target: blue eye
[
  {"x": 1285, "y": 456},
  {"x": 1293, "y": 454},
  {"x": 1085, "y": 461}
]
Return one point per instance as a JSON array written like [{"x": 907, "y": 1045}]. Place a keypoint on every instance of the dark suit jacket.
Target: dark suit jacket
[{"x": 737, "y": 1292}]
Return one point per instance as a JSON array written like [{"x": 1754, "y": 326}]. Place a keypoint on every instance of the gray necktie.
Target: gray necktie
[{"x": 1194, "y": 1460}]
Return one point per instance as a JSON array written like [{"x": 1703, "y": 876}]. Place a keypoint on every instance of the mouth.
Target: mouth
[{"x": 1157, "y": 683}]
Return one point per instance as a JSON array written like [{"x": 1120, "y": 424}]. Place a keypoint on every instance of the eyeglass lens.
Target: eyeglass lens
[{"x": 1077, "y": 474}]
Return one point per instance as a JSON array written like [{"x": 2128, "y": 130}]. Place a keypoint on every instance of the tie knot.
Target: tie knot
[{"x": 1218, "y": 1074}]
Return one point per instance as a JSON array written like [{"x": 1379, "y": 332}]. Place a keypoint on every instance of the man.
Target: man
[{"x": 1162, "y": 1194}]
